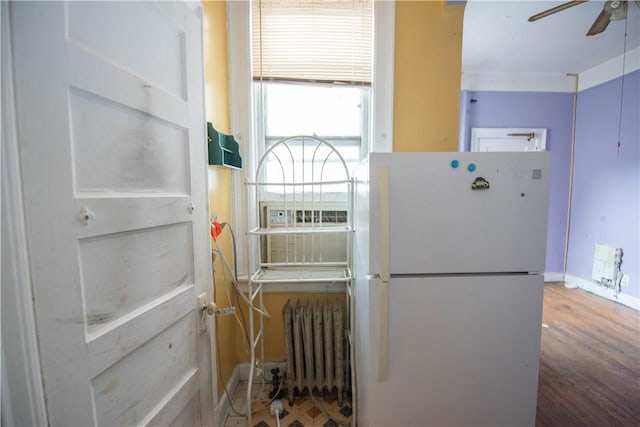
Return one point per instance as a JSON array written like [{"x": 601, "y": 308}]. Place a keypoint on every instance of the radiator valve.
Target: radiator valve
[{"x": 276, "y": 380}]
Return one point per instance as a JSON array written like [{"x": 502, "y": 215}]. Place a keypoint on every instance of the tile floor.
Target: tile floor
[{"x": 303, "y": 413}]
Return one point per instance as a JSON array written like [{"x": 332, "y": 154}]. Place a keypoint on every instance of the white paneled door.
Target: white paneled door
[{"x": 111, "y": 129}]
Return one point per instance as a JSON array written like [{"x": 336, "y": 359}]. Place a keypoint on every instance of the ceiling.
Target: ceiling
[{"x": 498, "y": 38}]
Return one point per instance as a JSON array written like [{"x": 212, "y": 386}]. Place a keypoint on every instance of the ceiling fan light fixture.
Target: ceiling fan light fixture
[
  {"x": 620, "y": 12},
  {"x": 612, "y": 6}
]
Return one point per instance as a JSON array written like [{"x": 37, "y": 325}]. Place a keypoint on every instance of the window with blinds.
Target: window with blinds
[
  {"x": 320, "y": 41},
  {"x": 312, "y": 64}
]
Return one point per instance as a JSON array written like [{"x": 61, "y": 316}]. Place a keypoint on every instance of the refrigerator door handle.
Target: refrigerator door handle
[{"x": 383, "y": 179}]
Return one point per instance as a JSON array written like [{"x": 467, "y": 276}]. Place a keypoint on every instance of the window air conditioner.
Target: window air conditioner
[{"x": 322, "y": 247}]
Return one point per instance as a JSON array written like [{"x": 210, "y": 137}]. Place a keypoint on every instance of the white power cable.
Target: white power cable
[
  {"x": 260, "y": 310},
  {"x": 234, "y": 280},
  {"x": 245, "y": 342},
  {"x": 276, "y": 408}
]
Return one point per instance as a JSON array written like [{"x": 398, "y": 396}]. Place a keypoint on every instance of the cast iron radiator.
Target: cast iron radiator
[{"x": 314, "y": 341}]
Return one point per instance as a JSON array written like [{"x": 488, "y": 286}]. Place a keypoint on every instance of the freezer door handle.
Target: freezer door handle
[{"x": 383, "y": 180}]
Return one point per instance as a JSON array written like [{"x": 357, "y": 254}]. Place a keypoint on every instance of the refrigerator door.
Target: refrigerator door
[
  {"x": 462, "y": 351},
  {"x": 460, "y": 212}
]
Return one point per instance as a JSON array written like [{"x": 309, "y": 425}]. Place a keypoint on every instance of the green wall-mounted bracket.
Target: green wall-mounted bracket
[{"x": 223, "y": 149}]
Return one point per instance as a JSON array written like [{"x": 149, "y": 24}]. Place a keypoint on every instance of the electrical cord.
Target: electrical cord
[
  {"x": 276, "y": 409},
  {"x": 277, "y": 391},
  {"x": 218, "y": 367},
  {"x": 234, "y": 280},
  {"x": 242, "y": 319},
  {"x": 242, "y": 324},
  {"x": 624, "y": 58},
  {"x": 233, "y": 248},
  {"x": 224, "y": 384},
  {"x": 246, "y": 342},
  {"x": 268, "y": 401},
  {"x": 230, "y": 399}
]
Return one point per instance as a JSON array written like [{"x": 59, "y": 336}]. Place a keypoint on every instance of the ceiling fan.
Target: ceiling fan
[{"x": 612, "y": 10}]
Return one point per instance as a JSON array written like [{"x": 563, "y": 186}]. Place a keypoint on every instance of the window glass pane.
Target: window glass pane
[
  {"x": 335, "y": 114},
  {"x": 309, "y": 160},
  {"x": 297, "y": 109}
]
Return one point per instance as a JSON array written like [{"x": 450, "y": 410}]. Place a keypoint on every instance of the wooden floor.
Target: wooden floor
[{"x": 590, "y": 361}]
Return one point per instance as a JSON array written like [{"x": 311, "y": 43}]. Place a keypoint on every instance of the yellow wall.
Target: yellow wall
[
  {"x": 428, "y": 61},
  {"x": 217, "y": 112}
]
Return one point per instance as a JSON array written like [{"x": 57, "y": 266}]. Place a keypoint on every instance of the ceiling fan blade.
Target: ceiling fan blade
[
  {"x": 600, "y": 24},
  {"x": 556, "y": 9}
]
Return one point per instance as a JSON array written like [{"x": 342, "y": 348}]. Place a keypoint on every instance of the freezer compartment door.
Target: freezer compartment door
[
  {"x": 462, "y": 351},
  {"x": 460, "y": 212}
]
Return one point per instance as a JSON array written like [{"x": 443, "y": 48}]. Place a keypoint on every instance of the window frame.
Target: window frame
[{"x": 240, "y": 103}]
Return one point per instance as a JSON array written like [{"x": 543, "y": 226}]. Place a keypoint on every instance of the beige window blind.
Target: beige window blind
[{"x": 324, "y": 41}]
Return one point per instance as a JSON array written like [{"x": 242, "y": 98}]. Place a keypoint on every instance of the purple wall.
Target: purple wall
[
  {"x": 606, "y": 184},
  {"x": 552, "y": 111}
]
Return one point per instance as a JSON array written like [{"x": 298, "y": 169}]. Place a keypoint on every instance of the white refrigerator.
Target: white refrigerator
[{"x": 449, "y": 253}]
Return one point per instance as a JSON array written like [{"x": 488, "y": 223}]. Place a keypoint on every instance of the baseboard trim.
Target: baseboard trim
[
  {"x": 553, "y": 277},
  {"x": 601, "y": 291},
  {"x": 224, "y": 405}
]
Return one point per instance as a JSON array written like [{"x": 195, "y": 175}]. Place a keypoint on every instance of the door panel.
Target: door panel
[
  {"x": 108, "y": 344},
  {"x": 111, "y": 127},
  {"x": 126, "y": 150},
  {"x": 123, "y": 271},
  {"x": 128, "y": 390},
  {"x": 168, "y": 209},
  {"x": 158, "y": 51},
  {"x": 97, "y": 75}
]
